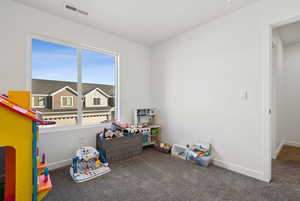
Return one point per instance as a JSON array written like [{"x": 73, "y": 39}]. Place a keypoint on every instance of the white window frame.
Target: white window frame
[
  {"x": 61, "y": 101},
  {"x": 80, "y": 96},
  {"x": 99, "y": 101},
  {"x": 38, "y": 106}
]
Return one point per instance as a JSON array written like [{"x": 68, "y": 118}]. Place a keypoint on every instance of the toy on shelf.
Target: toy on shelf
[
  {"x": 144, "y": 121},
  {"x": 144, "y": 117},
  {"x": 86, "y": 165},
  {"x": 19, "y": 136}
]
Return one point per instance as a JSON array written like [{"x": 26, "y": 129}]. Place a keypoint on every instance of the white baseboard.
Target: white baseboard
[
  {"x": 226, "y": 165},
  {"x": 239, "y": 169},
  {"x": 278, "y": 149},
  {"x": 291, "y": 143},
  {"x": 59, "y": 164},
  {"x": 285, "y": 142}
]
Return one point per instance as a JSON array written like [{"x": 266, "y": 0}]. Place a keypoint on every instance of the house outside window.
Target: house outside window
[
  {"x": 62, "y": 80},
  {"x": 97, "y": 101},
  {"x": 38, "y": 101},
  {"x": 66, "y": 101}
]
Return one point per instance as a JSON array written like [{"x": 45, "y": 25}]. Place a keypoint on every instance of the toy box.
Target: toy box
[
  {"x": 179, "y": 151},
  {"x": 203, "y": 161}
]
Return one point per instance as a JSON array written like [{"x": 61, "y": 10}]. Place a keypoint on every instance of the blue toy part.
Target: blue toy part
[
  {"x": 46, "y": 172},
  {"x": 74, "y": 164},
  {"x": 102, "y": 156}
]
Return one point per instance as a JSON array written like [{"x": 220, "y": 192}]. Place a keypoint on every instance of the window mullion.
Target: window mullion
[{"x": 79, "y": 87}]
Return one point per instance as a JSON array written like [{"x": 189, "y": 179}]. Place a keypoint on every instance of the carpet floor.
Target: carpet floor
[{"x": 154, "y": 176}]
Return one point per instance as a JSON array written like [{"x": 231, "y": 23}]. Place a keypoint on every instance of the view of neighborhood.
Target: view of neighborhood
[
  {"x": 57, "y": 101},
  {"x": 55, "y": 83}
]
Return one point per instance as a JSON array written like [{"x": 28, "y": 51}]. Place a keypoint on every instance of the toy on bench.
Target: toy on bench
[{"x": 86, "y": 165}]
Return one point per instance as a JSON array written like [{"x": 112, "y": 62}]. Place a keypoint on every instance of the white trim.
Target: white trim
[
  {"x": 56, "y": 130},
  {"x": 266, "y": 98},
  {"x": 101, "y": 91},
  {"x": 239, "y": 169},
  {"x": 38, "y": 106},
  {"x": 28, "y": 62},
  {"x": 292, "y": 143},
  {"x": 79, "y": 87},
  {"x": 117, "y": 95},
  {"x": 285, "y": 142},
  {"x": 76, "y": 45},
  {"x": 75, "y": 111},
  {"x": 278, "y": 149},
  {"x": 40, "y": 95},
  {"x": 61, "y": 101},
  {"x": 59, "y": 164},
  {"x": 267, "y": 93},
  {"x": 64, "y": 88}
]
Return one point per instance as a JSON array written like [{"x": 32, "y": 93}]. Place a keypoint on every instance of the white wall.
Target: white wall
[
  {"x": 290, "y": 132},
  {"x": 199, "y": 77},
  {"x": 18, "y": 22}
]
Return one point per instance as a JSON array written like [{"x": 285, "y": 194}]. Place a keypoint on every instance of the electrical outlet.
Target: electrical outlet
[{"x": 244, "y": 95}]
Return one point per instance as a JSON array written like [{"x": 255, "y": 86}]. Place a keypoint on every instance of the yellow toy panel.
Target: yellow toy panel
[
  {"x": 16, "y": 132},
  {"x": 18, "y": 136},
  {"x": 22, "y": 98}
]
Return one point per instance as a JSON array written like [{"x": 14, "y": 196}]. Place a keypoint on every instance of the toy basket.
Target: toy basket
[
  {"x": 163, "y": 147},
  {"x": 203, "y": 161}
]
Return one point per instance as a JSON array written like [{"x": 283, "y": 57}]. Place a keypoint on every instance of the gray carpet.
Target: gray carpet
[{"x": 154, "y": 176}]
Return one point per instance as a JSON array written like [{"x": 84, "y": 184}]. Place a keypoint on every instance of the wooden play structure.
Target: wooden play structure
[{"x": 26, "y": 176}]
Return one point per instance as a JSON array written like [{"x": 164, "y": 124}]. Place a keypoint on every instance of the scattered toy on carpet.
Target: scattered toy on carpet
[{"x": 88, "y": 164}]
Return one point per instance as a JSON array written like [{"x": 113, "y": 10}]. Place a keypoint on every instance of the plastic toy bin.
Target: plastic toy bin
[
  {"x": 203, "y": 161},
  {"x": 179, "y": 151}
]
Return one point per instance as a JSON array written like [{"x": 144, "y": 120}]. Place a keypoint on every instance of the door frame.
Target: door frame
[{"x": 267, "y": 92}]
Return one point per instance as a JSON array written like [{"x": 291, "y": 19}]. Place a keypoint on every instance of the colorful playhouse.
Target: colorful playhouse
[{"x": 25, "y": 176}]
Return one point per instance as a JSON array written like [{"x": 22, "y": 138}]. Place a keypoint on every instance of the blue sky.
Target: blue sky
[{"x": 57, "y": 62}]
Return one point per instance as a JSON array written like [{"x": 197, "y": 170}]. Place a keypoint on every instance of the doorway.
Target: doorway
[{"x": 285, "y": 99}]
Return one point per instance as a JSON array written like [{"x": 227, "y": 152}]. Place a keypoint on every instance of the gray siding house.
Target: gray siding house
[{"x": 57, "y": 101}]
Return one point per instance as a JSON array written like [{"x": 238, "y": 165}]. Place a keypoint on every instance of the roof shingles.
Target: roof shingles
[{"x": 48, "y": 87}]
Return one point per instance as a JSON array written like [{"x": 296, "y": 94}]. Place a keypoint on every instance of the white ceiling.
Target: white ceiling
[
  {"x": 144, "y": 21},
  {"x": 290, "y": 33}
]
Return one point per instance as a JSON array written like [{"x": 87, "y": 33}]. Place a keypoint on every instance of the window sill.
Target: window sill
[{"x": 69, "y": 128}]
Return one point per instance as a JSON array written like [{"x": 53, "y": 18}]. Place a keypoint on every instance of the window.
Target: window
[
  {"x": 63, "y": 83},
  {"x": 98, "y": 78},
  {"x": 38, "y": 101},
  {"x": 66, "y": 101},
  {"x": 97, "y": 101}
]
